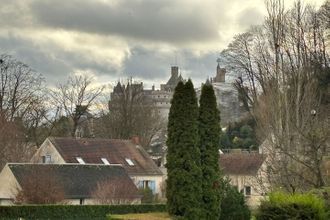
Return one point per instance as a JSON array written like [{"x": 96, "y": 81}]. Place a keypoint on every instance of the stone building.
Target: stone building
[
  {"x": 160, "y": 99},
  {"x": 227, "y": 96}
]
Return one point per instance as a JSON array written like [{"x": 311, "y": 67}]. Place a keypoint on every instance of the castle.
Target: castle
[
  {"x": 161, "y": 99},
  {"x": 226, "y": 94}
]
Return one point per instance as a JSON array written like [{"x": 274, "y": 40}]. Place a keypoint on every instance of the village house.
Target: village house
[
  {"x": 127, "y": 153},
  {"x": 246, "y": 172},
  {"x": 78, "y": 183}
]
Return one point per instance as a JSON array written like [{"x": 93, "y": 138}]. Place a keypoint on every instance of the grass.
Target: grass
[{"x": 142, "y": 216}]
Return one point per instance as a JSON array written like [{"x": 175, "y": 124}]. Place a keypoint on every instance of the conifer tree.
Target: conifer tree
[
  {"x": 209, "y": 139},
  {"x": 184, "y": 179}
]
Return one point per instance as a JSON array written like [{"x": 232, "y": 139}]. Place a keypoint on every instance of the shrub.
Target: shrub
[
  {"x": 291, "y": 206},
  {"x": 74, "y": 211},
  {"x": 147, "y": 195},
  {"x": 233, "y": 205}
]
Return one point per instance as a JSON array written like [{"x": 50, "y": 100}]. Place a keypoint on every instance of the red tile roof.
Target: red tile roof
[
  {"x": 114, "y": 150},
  {"x": 241, "y": 163}
]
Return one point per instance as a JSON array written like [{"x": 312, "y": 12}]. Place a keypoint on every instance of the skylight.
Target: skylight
[
  {"x": 80, "y": 160},
  {"x": 105, "y": 161},
  {"x": 129, "y": 161}
]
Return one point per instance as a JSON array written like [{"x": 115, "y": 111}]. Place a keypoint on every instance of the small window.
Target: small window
[
  {"x": 80, "y": 160},
  {"x": 247, "y": 190},
  {"x": 105, "y": 161},
  {"x": 47, "y": 159},
  {"x": 129, "y": 161}
]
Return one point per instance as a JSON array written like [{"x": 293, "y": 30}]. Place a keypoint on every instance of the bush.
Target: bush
[
  {"x": 291, "y": 206},
  {"x": 233, "y": 205},
  {"x": 147, "y": 195},
  {"x": 74, "y": 211}
]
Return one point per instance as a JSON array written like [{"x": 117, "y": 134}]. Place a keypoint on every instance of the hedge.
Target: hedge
[
  {"x": 291, "y": 206},
  {"x": 74, "y": 211}
]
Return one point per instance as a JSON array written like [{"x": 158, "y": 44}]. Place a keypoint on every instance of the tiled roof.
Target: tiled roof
[
  {"x": 78, "y": 181},
  {"x": 241, "y": 163},
  {"x": 114, "y": 150}
]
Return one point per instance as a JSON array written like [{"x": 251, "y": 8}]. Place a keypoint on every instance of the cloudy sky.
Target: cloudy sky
[{"x": 115, "y": 39}]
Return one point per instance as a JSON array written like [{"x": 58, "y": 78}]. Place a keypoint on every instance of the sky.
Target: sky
[{"x": 114, "y": 40}]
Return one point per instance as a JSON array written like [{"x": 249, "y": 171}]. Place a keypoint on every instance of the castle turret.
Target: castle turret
[
  {"x": 221, "y": 73},
  {"x": 174, "y": 71}
]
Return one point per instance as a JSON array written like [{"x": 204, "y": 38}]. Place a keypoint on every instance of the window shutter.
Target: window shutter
[{"x": 153, "y": 186}]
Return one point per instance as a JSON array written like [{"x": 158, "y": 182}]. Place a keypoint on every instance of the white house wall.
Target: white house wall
[
  {"x": 47, "y": 148},
  {"x": 8, "y": 186}
]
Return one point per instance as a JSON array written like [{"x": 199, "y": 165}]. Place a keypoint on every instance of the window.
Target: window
[
  {"x": 47, "y": 159},
  {"x": 105, "y": 161},
  {"x": 247, "y": 190},
  {"x": 80, "y": 160},
  {"x": 129, "y": 161},
  {"x": 143, "y": 184}
]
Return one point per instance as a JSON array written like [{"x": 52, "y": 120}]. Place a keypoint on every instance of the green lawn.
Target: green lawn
[{"x": 143, "y": 216}]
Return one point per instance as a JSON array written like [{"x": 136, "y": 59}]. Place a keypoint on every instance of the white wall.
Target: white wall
[
  {"x": 47, "y": 148},
  {"x": 257, "y": 193},
  {"x": 8, "y": 185}
]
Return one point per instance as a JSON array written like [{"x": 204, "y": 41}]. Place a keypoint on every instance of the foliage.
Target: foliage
[
  {"x": 114, "y": 192},
  {"x": 233, "y": 205},
  {"x": 147, "y": 195},
  {"x": 74, "y": 211},
  {"x": 292, "y": 206},
  {"x": 209, "y": 137},
  {"x": 241, "y": 134},
  {"x": 183, "y": 156},
  {"x": 144, "y": 216},
  {"x": 284, "y": 74}
]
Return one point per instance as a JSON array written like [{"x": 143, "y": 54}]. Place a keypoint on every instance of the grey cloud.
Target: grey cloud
[
  {"x": 148, "y": 20},
  {"x": 155, "y": 66},
  {"x": 54, "y": 63},
  {"x": 250, "y": 16},
  {"x": 149, "y": 64}
]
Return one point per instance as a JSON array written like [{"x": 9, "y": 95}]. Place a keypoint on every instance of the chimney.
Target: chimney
[
  {"x": 135, "y": 140},
  {"x": 175, "y": 71}
]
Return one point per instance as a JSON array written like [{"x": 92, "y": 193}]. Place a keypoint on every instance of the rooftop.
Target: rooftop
[
  {"x": 78, "y": 181},
  {"x": 132, "y": 157}
]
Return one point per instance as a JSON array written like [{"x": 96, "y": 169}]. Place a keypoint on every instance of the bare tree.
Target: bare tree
[
  {"x": 75, "y": 98},
  {"x": 40, "y": 186},
  {"x": 284, "y": 64},
  {"x": 115, "y": 192},
  {"x": 21, "y": 88},
  {"x": 131, "y": 113},
  {"x": 13, "y": 144}
]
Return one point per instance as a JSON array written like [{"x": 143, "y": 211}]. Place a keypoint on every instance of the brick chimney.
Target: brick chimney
[{"x": 135, "y": 140}]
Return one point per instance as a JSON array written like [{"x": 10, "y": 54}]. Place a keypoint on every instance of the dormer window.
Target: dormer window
[
  {"x": 80, "y": 160},
  {"x": 47, "y": 159},
  {"x": 105, "y": 161},
  {"x": 129, "y": 161}
]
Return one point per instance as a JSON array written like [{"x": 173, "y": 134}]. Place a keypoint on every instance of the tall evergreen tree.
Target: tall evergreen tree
[
  {"x": 184, "y": 179},
  {"x": 209, "y": 139}
]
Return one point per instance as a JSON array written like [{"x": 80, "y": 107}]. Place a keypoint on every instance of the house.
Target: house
[
  {"x": 79, "y": 184},
  {"x": 246, "y": 172},
  {"x": 127, "y": 153}
]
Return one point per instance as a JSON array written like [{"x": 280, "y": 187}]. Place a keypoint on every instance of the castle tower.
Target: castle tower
[
  {"x": 174, "y": 71},
  {"x": 221, "y": 73}
]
